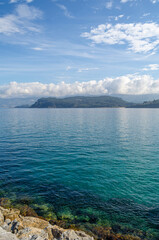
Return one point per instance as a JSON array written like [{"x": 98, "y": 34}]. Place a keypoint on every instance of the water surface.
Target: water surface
[{"x": 93, "y": 166}]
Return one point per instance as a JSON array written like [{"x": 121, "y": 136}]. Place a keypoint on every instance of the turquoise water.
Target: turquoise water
[{"x": 91, "y": 166}]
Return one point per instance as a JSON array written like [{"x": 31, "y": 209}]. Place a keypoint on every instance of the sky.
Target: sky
[{"x": 78, "y": 47}]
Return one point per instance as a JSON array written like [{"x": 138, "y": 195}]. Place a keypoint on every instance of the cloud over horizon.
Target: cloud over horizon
[{"x": 129, "y": 84}]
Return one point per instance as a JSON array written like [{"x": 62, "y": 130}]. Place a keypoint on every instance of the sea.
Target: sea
[{"x": 87, "y": 167}]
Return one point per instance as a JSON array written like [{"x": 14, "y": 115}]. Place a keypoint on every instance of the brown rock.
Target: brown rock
[
  {"x": 63, "y": 234},
  {"x": 34, "y": 222},
  {"x": 7, "y": 235},
  {"x": 75, "y": 235},
  {"x": 35, "y": 228},
  {"x": 1, "y": 218},
  {"x": 11, "y": 214},
  {"x": 28, "y": 233}
]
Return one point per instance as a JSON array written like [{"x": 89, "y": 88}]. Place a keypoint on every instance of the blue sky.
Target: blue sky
[{"x": 70, "y": 47}]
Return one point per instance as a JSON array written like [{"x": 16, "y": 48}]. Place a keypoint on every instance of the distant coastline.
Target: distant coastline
[{"x": 89, "y": 102}]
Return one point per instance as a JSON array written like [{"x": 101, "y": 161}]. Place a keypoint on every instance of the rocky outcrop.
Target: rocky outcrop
[
  {"x": 4, "y": 235},
  {"x": 13, "y": 226}
]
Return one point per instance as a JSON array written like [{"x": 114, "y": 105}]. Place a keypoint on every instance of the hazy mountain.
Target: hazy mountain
[
  {"x": 80, "y": 102},
  {"x": 13, "y": 102},
  {"x": 147, "y": 104},
  {"x": 24, "y": 102},
  {"x": 137, "y": 98}
]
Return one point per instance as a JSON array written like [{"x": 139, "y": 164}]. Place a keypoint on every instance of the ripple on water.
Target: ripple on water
[{"x": 89, "y": 165}]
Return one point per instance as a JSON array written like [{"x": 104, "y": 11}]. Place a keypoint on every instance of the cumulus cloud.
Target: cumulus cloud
[
  {"x": 20, "y": 21},
  {"x": 151, "y": 67},
  {"x": 129, "y": 84},
  {"x": 140, "y": 37}
]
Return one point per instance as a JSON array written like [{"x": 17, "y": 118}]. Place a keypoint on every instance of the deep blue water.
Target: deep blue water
[{"x": 98, "y": 166}]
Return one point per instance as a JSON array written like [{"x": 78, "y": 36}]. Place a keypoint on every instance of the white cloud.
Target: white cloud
[
  {"x": 30, "y": 13},
  {"x": 154, "y": 1},
  {"x": 118, "y": 17},
  {"x": 86, "y": 69},
  {"x": 151, "y": 67},
  {"x": 65, "y": 11},
  {"x": 129, "y": 84},
  {"x": 38, "y": 49},
  {"x": 80, "y": 70},
  {"x": 68, "y": 68},
  {"x": 9, "y": 24},
  {"x": 140, "y": 37},
  {"x": 125, "y": 1},
  {"x": 20, "y": 21},
  {"x": 15, "y": 1},
  {"x": 146, "y": 14},
  {"x": 109, "y": 5}
]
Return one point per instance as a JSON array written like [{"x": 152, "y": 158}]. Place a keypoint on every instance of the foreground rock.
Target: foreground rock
[
  {"x": 4, "y": 235},
  {"x": 13, "y": 226}
]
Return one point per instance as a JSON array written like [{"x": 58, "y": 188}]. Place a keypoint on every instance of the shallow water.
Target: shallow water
[{"x": 96, "y": 166}]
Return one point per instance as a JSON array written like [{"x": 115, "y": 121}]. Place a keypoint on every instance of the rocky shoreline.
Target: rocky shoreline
[
  {"x": 23, "y": 223},
  {"x": 13, "y": 226}
]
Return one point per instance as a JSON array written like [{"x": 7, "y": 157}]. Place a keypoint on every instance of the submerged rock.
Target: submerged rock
[
  {"x": 13, "y": 226},
  {"x": 25, "y": 210},
  {"x": 5, "y": 202}
]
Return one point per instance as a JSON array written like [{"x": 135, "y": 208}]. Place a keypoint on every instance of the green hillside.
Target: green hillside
[
  {"x": 81, "y": 102},
  {"x": 149, "y": 104}
]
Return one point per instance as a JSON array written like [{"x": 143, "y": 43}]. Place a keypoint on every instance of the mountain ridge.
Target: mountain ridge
[
  {"x": 89, "y": 102},
  {"x": 81, "y": 102}
]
